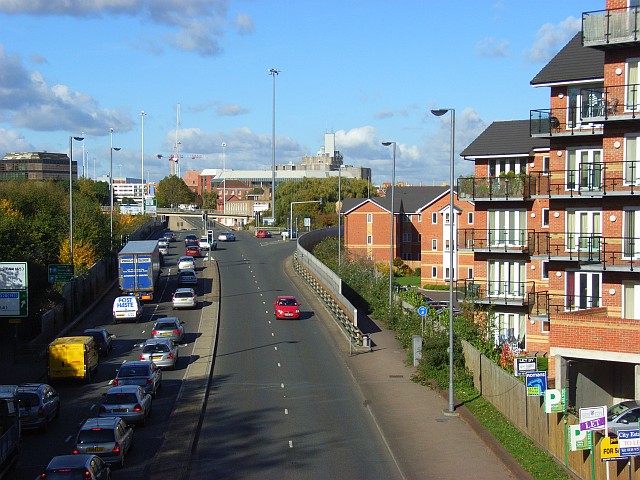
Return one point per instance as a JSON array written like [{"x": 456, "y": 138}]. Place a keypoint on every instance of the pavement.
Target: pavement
[{"x": 424, "y": 440}]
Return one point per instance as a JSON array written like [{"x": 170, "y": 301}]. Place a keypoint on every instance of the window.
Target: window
[
  {"x": 446, "y": 245},
  {"x": 470, "y": 273},
  {"x": 584, "y": 231},
  {"x": 544, "y": 270},
  {"x": 419, "y": 218},
  {"x": 434, "y": 272},
  {"x": 434, "y": 218},
  {"x": 446, "y": 218},
  {"x": 369, "y": 240},
  {"x": 506, "y": 279},
  {"x": 507, "y": 227},
  {"x": 631, "y": 156},
  {"x": 584, "y": 169},
  {"x": 446, "y": 273},
  {"x": 546, "y": 169},
  {"x": 583, "y": 290},
  {"x": 406, "y": 237},
  {"x": 369, "y": 217},
  {"x": 470, "y": 218},
  {"x": 505, "y": 165},
  {"x": 545, "y": 218},
  {"x": 406, "y": 256},
  {"x": 434, "y": 244}
]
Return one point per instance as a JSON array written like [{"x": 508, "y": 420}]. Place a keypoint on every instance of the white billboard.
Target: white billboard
[{"x": 13, "y": 276}]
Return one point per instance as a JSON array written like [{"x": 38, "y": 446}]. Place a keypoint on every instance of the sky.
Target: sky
[{"x": 369, "y": 71}]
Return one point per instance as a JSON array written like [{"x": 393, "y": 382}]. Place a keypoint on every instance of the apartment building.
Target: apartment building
[
  {"x": 502, "y": 238},
  {"x": 421, "y": 230},
  {"x": 37, "y": 166}
]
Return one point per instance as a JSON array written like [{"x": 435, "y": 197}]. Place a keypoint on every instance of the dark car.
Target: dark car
[
  {"x": 39, "y": 404},
  {"x": 73, "y": 467},
  {"x": 187, "y": 278},
  {"x": 190, "y": 238},
  {"x": 170, "y": 236},
  {"x": 142, "y": 373},
  {"x": 102, "y": 339}
]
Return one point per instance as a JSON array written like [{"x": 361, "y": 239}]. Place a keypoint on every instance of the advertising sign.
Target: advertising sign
[
  {"x": 629, "y": 443},
  {"x": 555, "y": 401},
  {"x": 593, "y": 418},
  {"x": 609, "y": 449},
  {"x": 13, "y": 275},
  {"x": 522, "y": 365},
  {"x": 536, "y": 383},
  {"x": 579, "y": 439}
]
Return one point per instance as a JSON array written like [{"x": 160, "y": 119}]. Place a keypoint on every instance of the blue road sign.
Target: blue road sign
[{"x": 422, "y": 310}]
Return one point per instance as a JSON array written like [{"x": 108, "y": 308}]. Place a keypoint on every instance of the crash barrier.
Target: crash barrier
[{"x": 328, "y": 285}]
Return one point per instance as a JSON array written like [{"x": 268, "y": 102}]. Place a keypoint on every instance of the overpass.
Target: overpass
[{"x": 186, "y": 219}]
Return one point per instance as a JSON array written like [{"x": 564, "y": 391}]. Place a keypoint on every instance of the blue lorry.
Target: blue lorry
[{"x": 139, "y": 268}]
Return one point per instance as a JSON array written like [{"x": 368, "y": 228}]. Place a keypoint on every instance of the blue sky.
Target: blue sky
[{"x": 369, "y": 71}]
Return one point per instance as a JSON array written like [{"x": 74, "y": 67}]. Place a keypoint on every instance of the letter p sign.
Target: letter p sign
[{"x": 555, "y": 400}]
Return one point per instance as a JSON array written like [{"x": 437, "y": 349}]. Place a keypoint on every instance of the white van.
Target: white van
[{"x": 127, "y": 309}]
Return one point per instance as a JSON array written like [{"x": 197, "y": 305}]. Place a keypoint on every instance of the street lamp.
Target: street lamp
[
  {"x": 393, "y": 183},
  {"x": 71, "y": 139},
  {"x": 339, "y": 209},
  {"x": 274, "y": 73},
  {"x": 224, "y": 182},
  {"x": 111, "y": 149},
  {"x": 142, "y": 114},
  {"x": 439, "y": 113}
]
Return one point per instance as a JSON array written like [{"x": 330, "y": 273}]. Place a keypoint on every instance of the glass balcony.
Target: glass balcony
[
  {"x": 516, "y": 187},
  {"x": 497, "y": 292},
  {"x": 546, "y": 304},
  {"x": 615, "y": 102},
  {"x": 557, "y": 122},
  {"x": 617, "y": 26},
  {"x": 510, "y": 240}
]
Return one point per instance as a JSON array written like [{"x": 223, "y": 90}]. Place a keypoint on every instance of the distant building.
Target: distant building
[{"x": 37, "y": 166}]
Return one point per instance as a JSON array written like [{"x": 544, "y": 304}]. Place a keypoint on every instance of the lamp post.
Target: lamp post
[
  {"x": 339, "y": 209},
  {"x": 71, "y": 139},
  {"x": 291, "y": 212},
  {"x": 393, "y": 183},
  {"x": 83, "y": 156},
  {"x": 439, "y": 113},
  {"x": 224, "y": 182},
  {"x": 142, "y": 114},
  {"x": 111, "y": 149},
  {"x": 274, "y": 73}
]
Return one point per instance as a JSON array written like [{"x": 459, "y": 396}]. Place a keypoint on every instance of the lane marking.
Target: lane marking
[
  {"x": 286, "y": 411},
  {"x": 275, "y": 348},
  {"x": 279, "y": 365},
  {"x": 282, "y": 385},
  {"x": 290, "y": 443}
]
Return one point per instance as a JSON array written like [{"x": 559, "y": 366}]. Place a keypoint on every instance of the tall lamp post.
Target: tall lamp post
[
  {"x": 439, "y": 113},
  {"x": 224, "y": 181},
  {"x": 71, "y": 139},
  {"x": 393, "y": 183},
  {"x": 339, "y": 210},
  {"x": 274, "y": 73},
  {"x": 111, "y": 149},
  {"x": 142, "y": 114}
]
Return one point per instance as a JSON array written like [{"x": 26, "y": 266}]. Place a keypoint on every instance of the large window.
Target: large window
[
  {"x": 584, "y": 169},
  {"x": 583, "y": 290},
  {"x": 506, "y": 165},
  {"x": 632, "y": 159},
  {"x": 584, "y": 231},
  {"x": 631, "y": 229},
  {"x": 506, "y": 279},
  {"x": 507, "y": 227}
]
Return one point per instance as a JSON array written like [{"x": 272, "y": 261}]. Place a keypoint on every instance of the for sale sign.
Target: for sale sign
[
  {"x": 524, "y": 365},
  {"x": 536, "y": 383}
]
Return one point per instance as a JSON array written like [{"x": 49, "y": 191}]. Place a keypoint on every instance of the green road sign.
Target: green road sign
[
  {"x": 60, "y": 273},
  {"x": 14, "y": 303}
]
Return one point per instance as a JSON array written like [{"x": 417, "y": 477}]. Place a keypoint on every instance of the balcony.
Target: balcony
[
  {"x": 590, "y": 179},
  {"x": 593, "y": 251},
  {"x": 561, "y": 122},
  {"x": 611, "y": 103},
  {"x": 497, "y": 292},
  {"x": 616, "y": 27},
  {"x": 543, "y": 305},
  {"x": 508, "y": 187},
  {"x": 495, "y": 240}
]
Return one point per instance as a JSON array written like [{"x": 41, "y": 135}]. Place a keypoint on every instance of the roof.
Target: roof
[
  {"x": 574, "y": 63},
  {"x": 140, "y": 246},
  {"x": 265, "y": 175},
  {"x": 506, "y": 138},
  {"x": 405, "y": 199}
]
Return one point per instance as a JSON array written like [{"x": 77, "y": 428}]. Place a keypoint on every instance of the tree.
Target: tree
[{"x": 172, "y": 191}]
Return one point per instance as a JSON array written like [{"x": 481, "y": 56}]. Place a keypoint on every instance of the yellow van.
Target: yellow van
[{"x": 72, "y": 357}]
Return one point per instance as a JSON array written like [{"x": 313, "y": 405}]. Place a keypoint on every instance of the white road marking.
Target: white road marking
[
  {"x": 282, "y": 385},
  {"x": 286, "y": 411},
  {"x": 279, "y": 365},
  {"x": 290, "y": 444},
  {"x": 275, "y": 348}
]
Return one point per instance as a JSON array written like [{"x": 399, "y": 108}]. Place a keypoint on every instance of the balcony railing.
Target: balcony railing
[
  {"x": 613, "y": 102},
  {"x": 591, "y": 178},
  {"x": 518, "y": 187},
  {"x": 509, "y": 240},
  {"x": 546, "y": 304},
  {"x": 605, "y": 27},
  {"x": 497, "y": 291},
  {"x": 551, "y": 122}
]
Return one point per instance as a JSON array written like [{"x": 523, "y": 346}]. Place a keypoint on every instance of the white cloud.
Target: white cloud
[
  {"x": 550, "y": 38},
  {"x": 201, "y": 23},
  {"x": 12, "y": 141},
  {"x": 231, "y": 110},
  {"x": 490, "y": 48}
]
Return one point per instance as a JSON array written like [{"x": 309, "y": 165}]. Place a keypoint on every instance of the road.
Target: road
[{"x": 282, "y": 404}]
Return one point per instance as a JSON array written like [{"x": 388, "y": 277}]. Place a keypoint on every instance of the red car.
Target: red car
[
  {"x": 286, "y": 306},
  {"x": 263, "y": 234},
  {"x": 193, "y": 251}
]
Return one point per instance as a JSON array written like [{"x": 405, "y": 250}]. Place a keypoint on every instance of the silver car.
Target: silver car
[
  {"x": 623, "y": 416},
  {"x": 168, "y": 327},
  {"x": 184, "y": 298},
  {"x": 141, "y": 373},
  {"x": 39, "y": 404},
  {"x": 109, "y": 437},
  {"x": 186, "y": 262},
  {"x": 129, "y": 402},
  {"x": 161, "y": 351}
]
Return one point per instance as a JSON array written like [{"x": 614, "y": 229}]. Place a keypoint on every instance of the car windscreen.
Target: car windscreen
[
  {"x": 28, "y": 400},
  {"x": 287, "y": 302},
  {"x": 615, "y": 411},
  {"x": 120, "y": 398},
  {"x": 97, "y": 435},
  {"x": 165, "y": 326},
  {"x": 156, "y": 348},
  {"x": 187, "y": 275},
  {"x": 183, "y": 294},
  {"x": 128, "y": 372}
]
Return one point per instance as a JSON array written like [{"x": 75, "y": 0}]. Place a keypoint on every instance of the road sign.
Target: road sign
[
  {"x": 629, "y": 443},
  {"x": 593, "y": 418},
  {"x": 422, "y": 310},
  {"x": 536, "y": 383},
  {"x": 522, "y": 365},
  {"x": 60, "y": 273},
  {"x": 13, "y": 303},
  {"x": 13, "y": 275}
]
